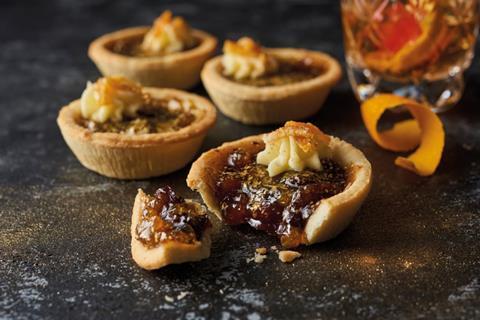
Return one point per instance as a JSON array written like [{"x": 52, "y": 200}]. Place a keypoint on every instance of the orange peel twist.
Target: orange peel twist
[{"x": 425, "y": 130}]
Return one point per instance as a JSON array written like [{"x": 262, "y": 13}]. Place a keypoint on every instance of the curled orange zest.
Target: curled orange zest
[{"x": 425, "y": 131}]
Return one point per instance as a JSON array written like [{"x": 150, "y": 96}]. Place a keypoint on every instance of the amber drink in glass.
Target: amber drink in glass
[{"x": 414, "y": 48}]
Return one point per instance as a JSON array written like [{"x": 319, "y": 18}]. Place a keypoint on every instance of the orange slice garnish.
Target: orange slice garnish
[
  {"x": 425, "y": 130},
  {"x": 402, "y": 51},
  {"x": 424, "y": 49},
  {"x": 400, "y": 27},
  {"x": 245, "y": 46}
]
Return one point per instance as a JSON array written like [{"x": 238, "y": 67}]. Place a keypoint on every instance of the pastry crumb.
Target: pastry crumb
[
  {"x": 274, "y": 248},
  {"x": 259, "y": 258},
  {"x": 287, "y": 256},
  {"x": 261, "y": 250},
  {"x": 169, "y": 299},
  {"x": 182, "y": 295},
  {"x": 260, "y": 255}
]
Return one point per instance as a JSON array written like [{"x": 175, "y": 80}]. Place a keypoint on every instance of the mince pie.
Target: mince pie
[
  {"x": 296, "y": 183},
  {"x": 123, "y": 130},
  {"x": 255, "y": 85},
  {"x": 168, "y": 54}
]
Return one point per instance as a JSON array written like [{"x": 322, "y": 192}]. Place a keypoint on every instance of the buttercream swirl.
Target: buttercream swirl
[
  {"x": 295, "y": 146},
  {"x": 246, "y": 59},
  {"x": 111, "y": 98},
  {"x": 168, "y": 35}
]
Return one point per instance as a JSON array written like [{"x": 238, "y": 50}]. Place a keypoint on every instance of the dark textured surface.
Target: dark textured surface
[{"x": 412, "y": 252}]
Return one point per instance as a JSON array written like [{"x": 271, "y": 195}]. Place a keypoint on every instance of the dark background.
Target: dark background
[{"x": 412, "y": 252}]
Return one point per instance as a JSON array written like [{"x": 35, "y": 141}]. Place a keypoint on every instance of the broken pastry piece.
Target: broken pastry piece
[
  {"x": 256, "y": 85},
  {"x": 167, "y": 54},
  {"x": 166, "y": 229},
  {"x": 287, "y": 256},
  {"x": 295, "y": 183}
]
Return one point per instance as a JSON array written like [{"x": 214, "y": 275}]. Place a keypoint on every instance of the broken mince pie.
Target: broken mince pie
[
  {"x": 122, "y": 130},
  {"x": 296, "y": 183},
  {"x": 254, "y": 85},
  {"x": 168, "y": 54},
  {"x": 167, "y": 229}
]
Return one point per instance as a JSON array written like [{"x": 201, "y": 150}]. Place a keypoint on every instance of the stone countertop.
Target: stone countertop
[{"x": 412, "y": 252}]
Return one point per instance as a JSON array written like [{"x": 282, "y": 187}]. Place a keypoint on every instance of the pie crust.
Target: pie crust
[
  {"x": 180, "y": 70},
  {"x": 170, "y": 252},
  {"x": 137, "y": 156},
  {"x": 272, "y": 104},
  {"x": 332, "y": 215}
]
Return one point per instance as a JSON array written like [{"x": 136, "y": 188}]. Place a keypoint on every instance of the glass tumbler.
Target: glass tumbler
[{"x": 413, "y": 48}]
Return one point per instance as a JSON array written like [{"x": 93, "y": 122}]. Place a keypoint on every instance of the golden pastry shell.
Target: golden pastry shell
[
  {"x": 179, "y": 70},
  {"x": 331, "y": 216},
  {"x": 137, "y": 156},
  {"x": 272, "y": 104}
]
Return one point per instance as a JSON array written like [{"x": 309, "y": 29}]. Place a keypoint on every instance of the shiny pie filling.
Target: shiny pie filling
[
  {"x": 153, "y": 117},
  {"x": 289, "y": 71},
  {"x": 168, "y": 217},
  {"x": 279, "y": 205},
  {"x": 131, "y": 47}
]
